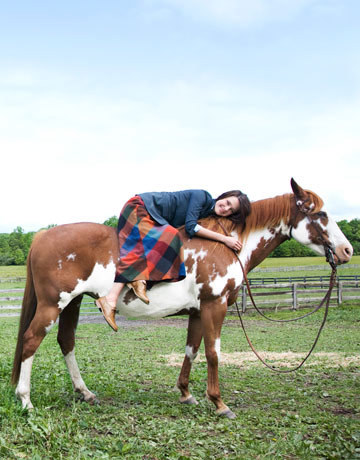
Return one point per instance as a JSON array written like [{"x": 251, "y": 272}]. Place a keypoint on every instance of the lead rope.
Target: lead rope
[{"x": 325, "y": 299}]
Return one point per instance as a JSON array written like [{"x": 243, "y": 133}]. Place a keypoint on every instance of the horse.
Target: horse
[{"x": 68, "y": 261}]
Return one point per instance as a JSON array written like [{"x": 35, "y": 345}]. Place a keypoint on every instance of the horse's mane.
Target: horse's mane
[{"x": 269, "y": 212}]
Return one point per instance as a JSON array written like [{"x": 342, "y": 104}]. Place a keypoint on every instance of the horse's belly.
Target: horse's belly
[{"x": 165, "y": 299}]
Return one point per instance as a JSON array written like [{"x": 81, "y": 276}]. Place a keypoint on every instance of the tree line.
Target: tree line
[{"x": 14, "y": 246}]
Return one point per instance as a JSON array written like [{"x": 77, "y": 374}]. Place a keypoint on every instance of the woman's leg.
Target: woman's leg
[
  {"x": 139, "y": 288},
  {"x": 107, "y": 304}
]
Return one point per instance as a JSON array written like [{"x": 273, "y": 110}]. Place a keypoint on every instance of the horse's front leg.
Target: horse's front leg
[
  {"x": 194, "y": 337},
  {"x": 212, "y": 317},
  {"x": 66, "y": 339}
]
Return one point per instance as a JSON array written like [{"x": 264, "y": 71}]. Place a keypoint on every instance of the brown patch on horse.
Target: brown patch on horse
[{"x": 189, "y": 263}]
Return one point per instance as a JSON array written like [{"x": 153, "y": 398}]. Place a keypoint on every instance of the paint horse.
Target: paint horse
[{"x": 67, "y": 261}]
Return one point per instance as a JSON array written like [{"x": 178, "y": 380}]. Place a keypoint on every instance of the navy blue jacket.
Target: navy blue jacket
[{"x": 179, "y": 208}]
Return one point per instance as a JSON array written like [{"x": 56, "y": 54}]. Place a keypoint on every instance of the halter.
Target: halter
[{"x": 329, "y": 253}]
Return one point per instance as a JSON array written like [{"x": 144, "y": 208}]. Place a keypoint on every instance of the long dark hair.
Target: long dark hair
[{"x": 245, "y": 206}]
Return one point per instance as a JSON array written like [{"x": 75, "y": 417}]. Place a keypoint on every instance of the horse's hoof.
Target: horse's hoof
[
  {"x": 190, "y": 400},
  {"x": 227, "y": 413},
  {"x": 89, "y": 398}
]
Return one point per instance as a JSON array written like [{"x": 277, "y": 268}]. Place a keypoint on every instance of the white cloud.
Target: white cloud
[{"x": 78, "y": 157}]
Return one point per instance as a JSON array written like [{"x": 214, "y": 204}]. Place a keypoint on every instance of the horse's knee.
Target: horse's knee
[
  {"x": 212, "y": 357},
  {"x": 191, "y": 352}
]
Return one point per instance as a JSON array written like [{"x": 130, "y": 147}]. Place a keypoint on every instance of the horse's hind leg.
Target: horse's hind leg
[
  {"x": 66, "y": 339},
  {"x": 193, "y": 341},
  {"x": 45, "y": 317}
]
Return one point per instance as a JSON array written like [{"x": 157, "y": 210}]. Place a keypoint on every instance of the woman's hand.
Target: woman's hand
[
  {"x": 233, "y": 243},
  {"x": 230, "y": 241}
]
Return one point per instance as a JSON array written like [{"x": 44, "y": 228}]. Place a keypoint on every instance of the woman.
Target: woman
[{"x": 151, "y": 247}]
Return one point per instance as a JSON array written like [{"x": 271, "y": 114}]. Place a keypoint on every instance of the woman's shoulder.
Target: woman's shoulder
[{"x": 199, "y": 192}]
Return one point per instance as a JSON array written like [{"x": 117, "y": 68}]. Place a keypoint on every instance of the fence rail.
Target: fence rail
[
  {"x": 305, "y": 279},
  {"x": 297, "y": 295},
  {"x": 289, "y": 295}
]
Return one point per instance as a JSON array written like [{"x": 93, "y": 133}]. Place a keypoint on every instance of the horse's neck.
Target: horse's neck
[
  {"x": 256, "y": 248},
  {"x": 267, "y": 228}
]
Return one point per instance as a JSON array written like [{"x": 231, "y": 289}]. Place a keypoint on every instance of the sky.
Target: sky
[{"x": 103, "y": 100}]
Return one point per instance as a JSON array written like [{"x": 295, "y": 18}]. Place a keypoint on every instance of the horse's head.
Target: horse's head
[{"x": 313, "y": 227}]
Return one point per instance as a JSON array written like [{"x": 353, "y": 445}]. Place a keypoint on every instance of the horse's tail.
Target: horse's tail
[{"x": 28, "y": 310}]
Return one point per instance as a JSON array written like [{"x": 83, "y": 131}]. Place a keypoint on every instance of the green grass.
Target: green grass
[
  {"x": 12, "y": 271},
  {"x": 299, "y": 261},
  {"x": 311, "y": 414}
]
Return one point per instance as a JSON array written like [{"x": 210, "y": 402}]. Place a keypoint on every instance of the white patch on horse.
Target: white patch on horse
[
  {"x": 77, "y": 381},
  {"x": 302, "y": 235},
  {"x": 167, "y": 298},
  {"x": 217, "y": 348},
  {"x": 189, "y": 353},
  {"x": 23, "y": 387},
  {"x": 71, "y": 256},
  {"x": 50, "y": 326},
  {"x": 60, "y": 264},
  {"x": 253, "y": 241},
  {"x": 99, "y": 282},
  {"x": 233, "y": 272}
]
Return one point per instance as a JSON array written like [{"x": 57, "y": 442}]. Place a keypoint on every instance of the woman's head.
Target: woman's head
[{"x": 233, "y": 204}]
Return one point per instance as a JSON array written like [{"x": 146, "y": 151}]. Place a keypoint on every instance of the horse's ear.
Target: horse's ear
[
  {"x": 302, "y": 198},
  {"x": 298, "y": 191}
]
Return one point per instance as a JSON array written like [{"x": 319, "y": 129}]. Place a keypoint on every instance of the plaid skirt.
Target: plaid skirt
[{"x": 148, "y": 251}]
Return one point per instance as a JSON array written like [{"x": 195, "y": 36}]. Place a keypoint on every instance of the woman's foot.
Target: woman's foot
[
  {"x": 139, "y": 288},
  {"x": 108, "y": 311}
]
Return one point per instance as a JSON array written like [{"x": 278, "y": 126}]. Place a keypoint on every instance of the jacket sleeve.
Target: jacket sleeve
[{"x": 196, "y": 204}]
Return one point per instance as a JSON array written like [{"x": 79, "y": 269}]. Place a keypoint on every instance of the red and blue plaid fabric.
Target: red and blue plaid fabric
[{"x": 148, "y": 251}]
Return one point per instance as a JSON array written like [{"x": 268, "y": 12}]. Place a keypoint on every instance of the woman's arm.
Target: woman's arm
[{"x": 230, "y": 241}]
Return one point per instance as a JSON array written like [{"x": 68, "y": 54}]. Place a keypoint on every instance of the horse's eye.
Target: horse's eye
[{"x": 322, "y": 215}]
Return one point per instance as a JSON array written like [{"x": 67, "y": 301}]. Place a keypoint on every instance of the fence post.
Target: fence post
[
  {"x": 243, "y": 301},
  {"x": 339, "y": 292},
  {"x": 294, "y": 296}
]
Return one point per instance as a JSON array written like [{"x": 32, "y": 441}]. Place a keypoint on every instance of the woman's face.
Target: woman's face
[{"x": 227, "y": 206}]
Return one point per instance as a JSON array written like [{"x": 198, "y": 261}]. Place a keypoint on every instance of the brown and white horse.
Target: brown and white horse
[{"x": 68, "y": 261}]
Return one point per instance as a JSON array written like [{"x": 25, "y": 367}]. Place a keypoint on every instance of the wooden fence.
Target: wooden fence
[{"x": 295, "y": 295}]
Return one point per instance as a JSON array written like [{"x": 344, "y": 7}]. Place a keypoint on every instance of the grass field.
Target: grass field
[
  {"x": 313, "y": 413},
  {"x": 300, "y": 261}
]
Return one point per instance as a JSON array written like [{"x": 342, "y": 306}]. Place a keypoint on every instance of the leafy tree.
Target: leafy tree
[
  {"x": 112, "y": 221},
  {"x": 19, "y": 258}
]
